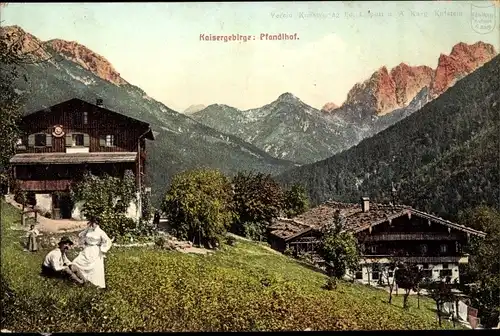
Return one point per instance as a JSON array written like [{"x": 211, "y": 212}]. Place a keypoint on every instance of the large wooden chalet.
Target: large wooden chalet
[
  {"x": 385, "y": 233},
  {"x": 62, "y": 142}
]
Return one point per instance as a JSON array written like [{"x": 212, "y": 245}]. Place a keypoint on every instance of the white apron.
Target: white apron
[{"x": 91, "y": 259}]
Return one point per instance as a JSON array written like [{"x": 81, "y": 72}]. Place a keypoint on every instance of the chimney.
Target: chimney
[
  {"x": 98, "y": 102},
  {"x": 365, "y": 204}
]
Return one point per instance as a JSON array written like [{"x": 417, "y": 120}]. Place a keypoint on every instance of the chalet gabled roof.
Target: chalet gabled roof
[
  {"x": 148, "y": 135},
  {"x": 355, "y": 219}
]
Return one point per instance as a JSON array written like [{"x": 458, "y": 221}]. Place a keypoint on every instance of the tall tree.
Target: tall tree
[
  {"x": 257, "y": 200},
  {"x": 484, "y": 267},
  {"x": 13, "y": 55},
  {"x": 198, "y": 206},
  {"x": 295, "y": 201}
]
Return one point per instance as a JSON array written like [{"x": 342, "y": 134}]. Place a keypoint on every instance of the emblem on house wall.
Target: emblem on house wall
[{"x": 58, "y": 131}]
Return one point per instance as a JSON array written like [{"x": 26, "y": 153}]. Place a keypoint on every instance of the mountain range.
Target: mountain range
[
  {"x": 290, "y": 129},
  {"x": 60, "y": 70},
  {"x": 442, "y": 158},
  {"x": 456, "y": 104}
]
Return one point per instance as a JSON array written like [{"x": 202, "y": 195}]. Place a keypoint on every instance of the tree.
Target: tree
[
  {"x": 257, "y": 201},
  {"x": 106, "y": 199},
  {"x": 10, "y": 102},
  {"x": 440, "y": 292},
  {"x": 408, "y": 277},
  {"x": 338, "y": 248},
  {"x": 295, "y": 201},
  {"x": 389, "y": 270},
  {"x": 484, "y": 265},
  {"x": 198, "y": 206},
  {"x": 13, "y": 56}
]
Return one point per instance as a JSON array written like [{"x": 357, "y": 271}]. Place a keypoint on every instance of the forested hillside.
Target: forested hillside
[{"x": 443, "y": 157}]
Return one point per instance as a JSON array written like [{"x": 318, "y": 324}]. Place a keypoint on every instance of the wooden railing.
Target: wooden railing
[
  {"x": 411, "y": 236},
  {"x": 44, "y": 185},
  {"x": 421, "y": 260}
]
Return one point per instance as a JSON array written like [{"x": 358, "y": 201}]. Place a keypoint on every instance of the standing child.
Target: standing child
[{"x": 32, "y": 242}]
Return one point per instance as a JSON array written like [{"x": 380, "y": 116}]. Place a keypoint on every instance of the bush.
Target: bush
[
  {"x": 198, "y": 206},
  {"x": 257, "y": 199},
  {"x": 106, "y": 200},
  {"x": 295, "y": 201},
  {"x": 230, "y": 240},
  {"x": 254, "y": 231}
]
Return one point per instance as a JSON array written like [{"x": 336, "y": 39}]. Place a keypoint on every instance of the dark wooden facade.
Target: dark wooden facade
[
  {"x": 60, "y": 143},
  {"x": 384, "y": 234}
]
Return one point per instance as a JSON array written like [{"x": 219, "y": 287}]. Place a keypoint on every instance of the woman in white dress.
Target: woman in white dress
[{"x": 91, "y": 260}]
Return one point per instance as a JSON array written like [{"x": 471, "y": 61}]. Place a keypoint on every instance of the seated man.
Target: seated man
[{"x": 57, "y": 264}]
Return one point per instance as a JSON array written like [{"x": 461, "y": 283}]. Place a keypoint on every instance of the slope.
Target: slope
[
  {"x": 247, "y": 287},
  {"x": 432, "y": 135},
  {"x": 181, "y": 143}
]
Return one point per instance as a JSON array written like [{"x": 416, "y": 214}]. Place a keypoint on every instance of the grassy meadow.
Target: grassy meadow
[{"x": 245, "y": 287}]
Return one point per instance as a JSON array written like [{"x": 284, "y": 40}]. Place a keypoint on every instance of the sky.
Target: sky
[{"x": 157, "y": 46}]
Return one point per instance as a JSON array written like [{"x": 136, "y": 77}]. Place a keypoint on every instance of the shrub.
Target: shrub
[
  {"x": 106, "y": 200},
  {"x": 254, "y": 231},
  {"x": 198, "y": 206},
  {"x": 295, "y": 201},
  {"x": 230, "y": 240},
  {"x": 257, "y": 199}
]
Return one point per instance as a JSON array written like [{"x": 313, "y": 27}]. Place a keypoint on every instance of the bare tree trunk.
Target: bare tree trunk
[
  {"x": 390, "y": 294},
  {"x": 405, "y": 299},
  {"x": 438, "y": 311},
  {"x": 418, "y": 299}
]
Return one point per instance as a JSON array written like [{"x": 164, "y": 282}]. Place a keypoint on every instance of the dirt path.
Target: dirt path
[{"x": 50, "y": 225}]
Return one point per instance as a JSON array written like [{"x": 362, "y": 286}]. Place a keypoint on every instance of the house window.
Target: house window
[
  {"x": 445, "y": 266},
  {"x": 40, "y": 140},
  {"x": 20, "y": 144},
  {"x": 375, "y": 275},
  {"x": 110, "y": 140},
  {"x": 359, "y": 275},
  {"x": 445, "y": 272},
  {"x": 107, "y": 140},
  {"x": 77, "y": 117},
  {"x": 391, "y": 274},
  {"x": 372, "y": 249},
  {"x": 78, "y": 140},
  {"x": 85, "y": 117},
  {"x": 444, "y": 248}
]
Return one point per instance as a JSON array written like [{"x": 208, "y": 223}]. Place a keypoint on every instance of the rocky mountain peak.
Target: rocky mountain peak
[
  {"x": 386, "y": 91},
  {"x": 24, "y": 43},
  {"x": 38, "y": 50},
  {"x": 329, "y": 107},
  {"x": 288, "y": 97},
  {"x": 88, "y": 59},
  {"x": 463, "y": 59}
]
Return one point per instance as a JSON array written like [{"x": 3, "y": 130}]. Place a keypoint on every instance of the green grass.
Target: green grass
[{"x": 246, "y": 287}]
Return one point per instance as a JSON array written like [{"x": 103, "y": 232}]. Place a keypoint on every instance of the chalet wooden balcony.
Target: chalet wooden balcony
[
  {"x": 416, "y": 260},
  {"x": 411, "y": 236},
  {"x": 44, "y": 185}
]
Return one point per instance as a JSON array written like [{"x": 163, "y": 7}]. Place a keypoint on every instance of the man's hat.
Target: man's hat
[{"x": 65, "y": 240}]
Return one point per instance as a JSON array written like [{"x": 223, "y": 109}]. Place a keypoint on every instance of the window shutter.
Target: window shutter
[
  {"x": 31, "y": 140},
  {"x": 69, "y": 140},
  {"x": 86, "y": 140},
  {"x": 48, "y": 140},
  {"x": 102, "y": 141}
]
